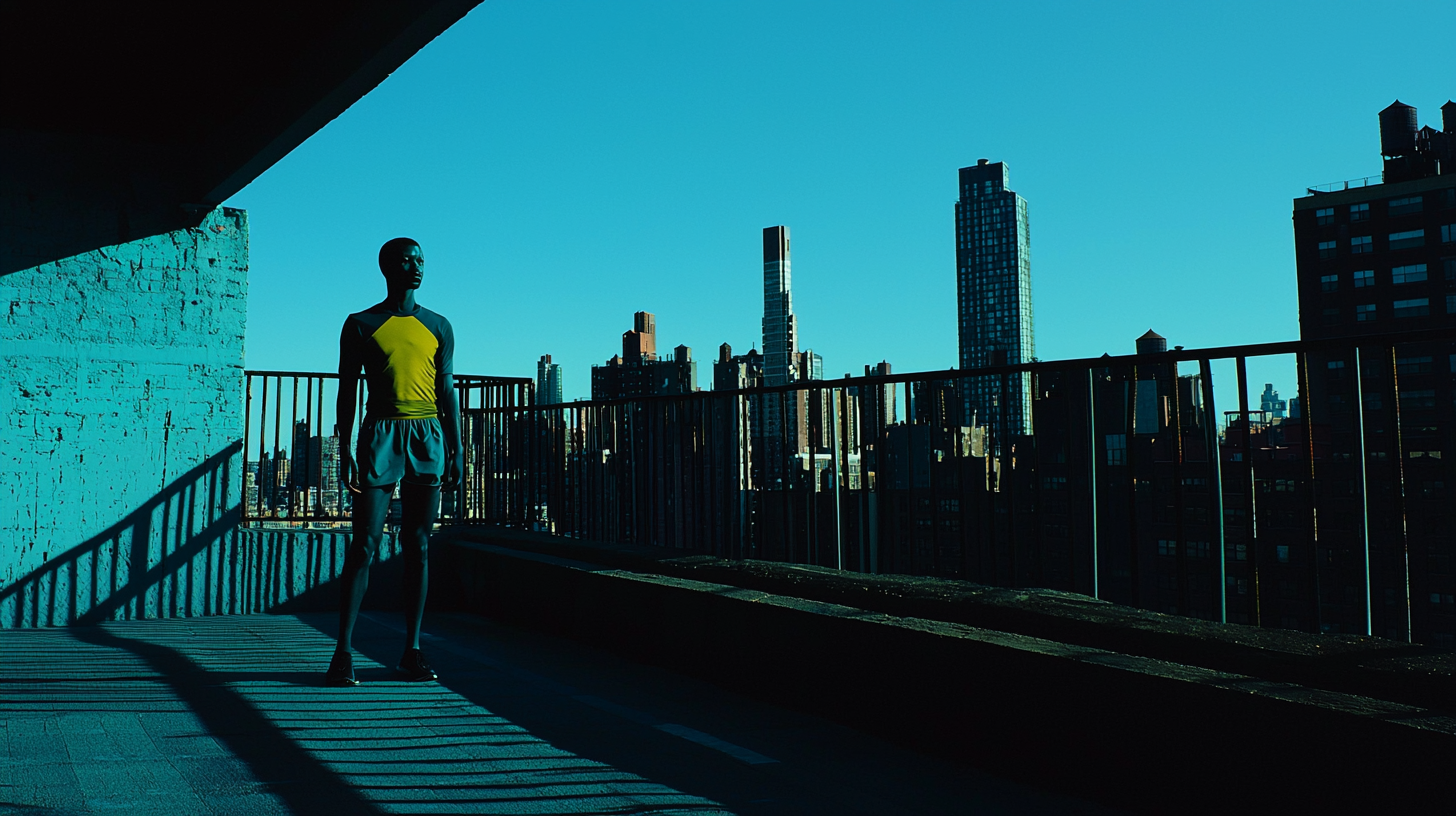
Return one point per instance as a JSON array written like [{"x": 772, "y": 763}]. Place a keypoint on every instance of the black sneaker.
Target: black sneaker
[
  {"x": 341, "y": 671},
  {"x": 415, "y": 668}
]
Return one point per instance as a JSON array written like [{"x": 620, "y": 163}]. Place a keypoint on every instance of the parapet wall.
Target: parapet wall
[
  {"x": 1153, "y": 735},
  {"x": 121, "y": 405}
]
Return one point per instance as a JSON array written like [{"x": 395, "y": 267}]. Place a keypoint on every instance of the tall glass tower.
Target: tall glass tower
[
  {"x": 993, "y": 295},
  {"x": 548, "y": 381},
  {"x": 780, "y": 330}
]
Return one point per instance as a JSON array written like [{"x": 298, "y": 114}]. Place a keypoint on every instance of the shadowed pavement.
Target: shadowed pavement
[{"x": 225, "y": 715}]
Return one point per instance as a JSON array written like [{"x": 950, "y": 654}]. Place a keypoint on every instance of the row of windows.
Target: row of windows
[
  {"x": 1409, "y": 239},
  {"x": 1195, "y": 549},
  {"x": 1394, "y": 207},
  {"x": 1423, "y": 364},
  {"x": 1399, "y": 275},
  {"x": 1412, "y": 307}
]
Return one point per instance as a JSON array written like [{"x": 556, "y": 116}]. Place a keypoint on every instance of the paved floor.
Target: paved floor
[{"x": 225, "y": 715}]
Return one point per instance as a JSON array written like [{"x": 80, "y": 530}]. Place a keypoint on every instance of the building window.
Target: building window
[
  {"x": 1360, "y": 243},
  {"x": 1413, "y": 365},
  {"x": 1359, "y": 212},
  {"x": 1166, "y": 547},
  {"x": 1364, "y": 277},
  {"x": 1197, "y": 549},
  {"x": 1364, "y": 312},
  {"x": 1416, "y": 307},
  {"x": 1421, "y": 398},
  {"x": 1448, "y": 233},
  {"x": 1336, "y": 367},
  {"x": 1406, "y": 240},
  {"x": 1408, "y": 274},
  {"x": 1405, "y": 206},
  {"x": 1448, "y": 267},
  {"x": 1117, "y": 449},
  {"x": 1329, "y": 283},
  {"x": 1327, "y": 249},
  {"x": 1330, "y": 317},
  {"x": 1324, "y": 216},
  {"x": 1451, "y": 304}
]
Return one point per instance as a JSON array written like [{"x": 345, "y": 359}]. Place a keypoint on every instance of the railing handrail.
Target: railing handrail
[
  {"x": 333, "y": 375},
  {"x": 1037, "y": 366},
  {"x": 1348, "y": 184}
]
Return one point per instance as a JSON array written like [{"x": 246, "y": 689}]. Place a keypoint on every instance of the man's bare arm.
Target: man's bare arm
[
  {"x": 344, "y": 427},
  {"x": 448, "y": 403}
]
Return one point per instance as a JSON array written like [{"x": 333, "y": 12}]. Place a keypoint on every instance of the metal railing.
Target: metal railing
[
  {"x": 1107, "y": 476},
  {"x": 291, "y": 448},
  {"x": 1341, "y": 186}
]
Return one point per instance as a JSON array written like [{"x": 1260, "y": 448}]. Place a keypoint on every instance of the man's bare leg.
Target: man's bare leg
[
  {"x": 371, "y": 505},
  {"x": 421, "y": 507}
]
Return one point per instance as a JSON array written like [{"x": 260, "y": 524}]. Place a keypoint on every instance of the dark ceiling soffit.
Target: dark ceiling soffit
[{"x": 432, "y": 23}]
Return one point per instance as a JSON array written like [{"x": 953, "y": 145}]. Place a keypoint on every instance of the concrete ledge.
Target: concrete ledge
[
  {"x": 1413, "y": 674},
  {"x": 1133, "y": 730}
]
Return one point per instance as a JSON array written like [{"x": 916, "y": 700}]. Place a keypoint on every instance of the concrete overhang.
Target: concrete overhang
[{"x": 123, "y": 120}]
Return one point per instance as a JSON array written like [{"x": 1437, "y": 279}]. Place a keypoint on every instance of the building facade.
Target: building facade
[
  {"x": 1380, "y": 258},
  {"x": 993, "y": 294},
  {"x": 637, "y": 371},
  {"x": 780, "y": 329}
]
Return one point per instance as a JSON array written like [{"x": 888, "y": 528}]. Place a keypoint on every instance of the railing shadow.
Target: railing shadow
[
  {"x": 182, "y": 553},
  {"x": 286, "y": 769}
]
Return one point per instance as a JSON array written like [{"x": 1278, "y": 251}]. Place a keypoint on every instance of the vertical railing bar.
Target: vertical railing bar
[
  {"x": 262, "y": 446},
  {"x": 1364, "y": 490},
  {"x": 247, "y": 442},
  {"x": 1006, "y": 482},
  {"x": 310, "y": 421},
  {"x": 1180, "y": 531},
  {"x": 1215, "y": 488},
  {"x": 836, "y": 423},
  {"x": 1092, "y": 477},
  {"x": 1134, "y": 567},
  {"x": 1306, "y": 405},
  {"x": 1251, "y": 543},
  {"x": 1033, "y": 452},
  {"x": 277, "y": 421},
  {"x": 1400, "y": 493},
  {"x": 293, "y": 478}
]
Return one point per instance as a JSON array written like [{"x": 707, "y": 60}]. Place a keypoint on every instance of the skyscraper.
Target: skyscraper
[
  {"x": 548, "y": 381},
  {"x": 780, "y": 330},
  {"x": 993, "y": 293}
]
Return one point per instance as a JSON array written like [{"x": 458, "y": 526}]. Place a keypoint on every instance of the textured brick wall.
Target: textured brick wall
[{"x": 120, "y": 420}]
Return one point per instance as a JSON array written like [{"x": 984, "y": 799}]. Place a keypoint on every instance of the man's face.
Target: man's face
[{"x": 407, "y": 269}]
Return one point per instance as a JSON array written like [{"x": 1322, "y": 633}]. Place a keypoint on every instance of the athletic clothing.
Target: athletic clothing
[
  {"x": 404, "y": 357},
  {"x": 394, "y": 449}
]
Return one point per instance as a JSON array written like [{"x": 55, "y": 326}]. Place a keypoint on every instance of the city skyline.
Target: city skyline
[{"x": 655, "y": 204}]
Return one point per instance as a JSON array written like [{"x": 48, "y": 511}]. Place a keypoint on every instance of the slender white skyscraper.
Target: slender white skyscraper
[
  {"x": 993, "y": 295},
  {"x": 780, "y": 330}
]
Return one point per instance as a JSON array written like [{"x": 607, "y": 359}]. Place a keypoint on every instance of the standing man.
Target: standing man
[{"x": 411, "y": 432}]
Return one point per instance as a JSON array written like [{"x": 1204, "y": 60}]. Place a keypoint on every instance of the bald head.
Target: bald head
[{"x": 403, "y": 263}]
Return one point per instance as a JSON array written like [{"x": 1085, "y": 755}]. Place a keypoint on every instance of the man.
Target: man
[{"x": 411, "y": 432}]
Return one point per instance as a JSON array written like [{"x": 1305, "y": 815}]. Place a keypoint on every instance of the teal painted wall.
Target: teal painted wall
[{"x": 121, "y": 376}]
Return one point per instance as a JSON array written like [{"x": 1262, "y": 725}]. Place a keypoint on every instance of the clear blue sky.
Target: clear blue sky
[{"x": 565, "y": 164}]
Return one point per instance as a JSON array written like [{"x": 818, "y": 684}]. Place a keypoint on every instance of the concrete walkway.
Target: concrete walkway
[{"x": 224, "y": 715}]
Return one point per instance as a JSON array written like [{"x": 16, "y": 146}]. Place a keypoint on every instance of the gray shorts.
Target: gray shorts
[{"x": 394, "y": 449}]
